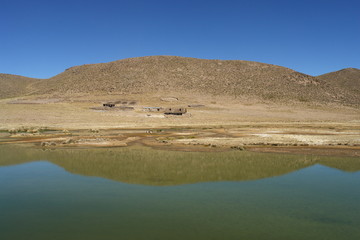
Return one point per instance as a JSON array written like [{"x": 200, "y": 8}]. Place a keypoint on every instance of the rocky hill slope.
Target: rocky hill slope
[
  {"x": 168, "y": 74},
  {"x": 14, "y": 85},
  {"x": 347, "y": 79}
]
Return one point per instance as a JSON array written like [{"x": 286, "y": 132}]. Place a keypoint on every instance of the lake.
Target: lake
[{"x": 143, "y": 193}]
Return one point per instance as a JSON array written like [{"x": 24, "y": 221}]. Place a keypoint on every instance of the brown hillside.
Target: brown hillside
[
  {"x": 14, "y": 85},
  {"x": 169, "y": 74},
  {"x": 347, "y": 79}
]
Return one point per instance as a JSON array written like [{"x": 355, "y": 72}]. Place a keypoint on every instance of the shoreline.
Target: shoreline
[{"x": 343, "y": 140}]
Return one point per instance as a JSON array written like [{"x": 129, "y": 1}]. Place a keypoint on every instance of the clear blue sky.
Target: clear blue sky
[{"x": 43, "y": 38}]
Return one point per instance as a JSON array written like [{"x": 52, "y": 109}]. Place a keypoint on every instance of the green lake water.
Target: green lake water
[{"x": 141, "y": 193}]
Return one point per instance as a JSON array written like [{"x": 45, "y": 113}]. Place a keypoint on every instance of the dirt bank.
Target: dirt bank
[{"x": 340, "y": 141}]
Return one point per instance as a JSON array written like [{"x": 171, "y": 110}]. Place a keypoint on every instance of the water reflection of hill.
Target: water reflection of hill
[{"x": 140, "y": 165}]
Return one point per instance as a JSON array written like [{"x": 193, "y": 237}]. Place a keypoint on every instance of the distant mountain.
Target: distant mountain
[
  {"x": 169, "y": 74},
  {"x": 347, "y": 79},
  {"x": 14, "y": 85}
]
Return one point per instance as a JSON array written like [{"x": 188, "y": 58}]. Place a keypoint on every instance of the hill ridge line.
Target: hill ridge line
[{"x": 167, "y": 74}]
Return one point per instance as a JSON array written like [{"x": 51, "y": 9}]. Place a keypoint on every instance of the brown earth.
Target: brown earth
[
  {"x": 169, "y": 74},
  {"x": 347, "y": 79},
  {"x": 14, "y": 85},
  {"x": 79, "y": 112},
  {"x": 216, "y": 124}
]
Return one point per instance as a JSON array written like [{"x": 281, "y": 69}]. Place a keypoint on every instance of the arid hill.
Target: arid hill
[
  {"x": 14, "y": 85},
  {"x": 347, "y": 79},
  {"x": 169, "y": 74}
]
